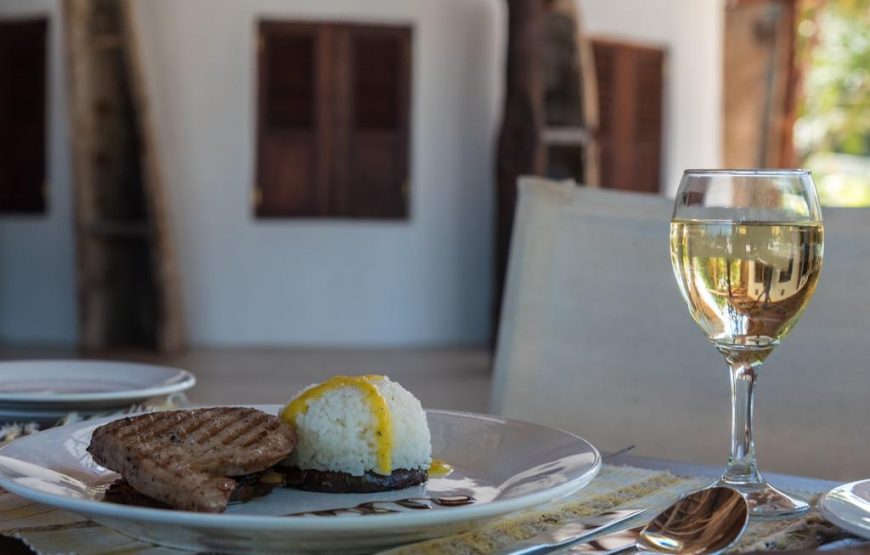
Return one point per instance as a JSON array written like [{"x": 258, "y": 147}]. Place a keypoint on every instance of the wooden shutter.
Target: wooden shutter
[
  {"x": 630, "y": 96},
  {"x": 333, "y": 120},
  {"x": 291, "y": 180},
  {"x": 375, "y": 182},
  {"x": 22, "y": 116}
]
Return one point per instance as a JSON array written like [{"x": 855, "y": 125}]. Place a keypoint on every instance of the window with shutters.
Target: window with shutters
[
  {"x": 22, "y": 116},
  {"x": 333, "y": 120},
  {"x": 630, "y": 95}
]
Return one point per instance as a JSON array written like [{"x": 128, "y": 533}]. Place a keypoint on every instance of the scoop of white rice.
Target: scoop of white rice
[{"x": 337, "y": 432}]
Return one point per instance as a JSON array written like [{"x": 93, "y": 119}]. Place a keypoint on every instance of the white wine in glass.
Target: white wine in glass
[{"x": 746, "y": 247}]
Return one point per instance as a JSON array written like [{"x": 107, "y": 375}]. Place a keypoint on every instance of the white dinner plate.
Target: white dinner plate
[
  {"x": 64, "y": 385},
  {"x": 505, "y": 465},
  {"x": 848, "y": 506}
]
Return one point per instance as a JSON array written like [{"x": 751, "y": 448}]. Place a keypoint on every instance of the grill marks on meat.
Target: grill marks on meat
[{"x": 187, "y": 458}]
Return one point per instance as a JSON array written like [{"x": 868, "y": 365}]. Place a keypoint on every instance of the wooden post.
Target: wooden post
[
  {"x": 127, "y": 290},
  {"x": 520, "y": 150},
  {"x": 760, "y": 55},
  {"x": 170, "y": 316}
]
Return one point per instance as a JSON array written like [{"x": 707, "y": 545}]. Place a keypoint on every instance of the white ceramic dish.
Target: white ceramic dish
[
  {"x": 64, "y": 385},
  {"x": 505, "y": 464},
  {"x": 848, "y": 506}
]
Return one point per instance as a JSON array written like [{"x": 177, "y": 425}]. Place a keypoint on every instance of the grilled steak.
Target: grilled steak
[
  {"x": 326, "y": 481},
  {"x": 247, "y": 488},
  {"x": 187, "y": 458}
]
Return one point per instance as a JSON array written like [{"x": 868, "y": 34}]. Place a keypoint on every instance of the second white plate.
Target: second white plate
[
  {"x": 65, "y": 385},
  {"x": 848, "y": 506},
  {"x": 505, "y": 465}
]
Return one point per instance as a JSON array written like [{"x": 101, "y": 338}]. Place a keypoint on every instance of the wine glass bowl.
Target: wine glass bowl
[{"x": 746, "y": 248}]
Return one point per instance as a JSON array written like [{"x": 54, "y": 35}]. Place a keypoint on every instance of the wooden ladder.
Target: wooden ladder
[
  {"x": 530, "y": 125},
  {"x": 128, "y": 291}
]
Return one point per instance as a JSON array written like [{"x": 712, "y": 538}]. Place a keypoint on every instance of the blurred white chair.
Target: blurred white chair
[{"x": 595, "y": 338}]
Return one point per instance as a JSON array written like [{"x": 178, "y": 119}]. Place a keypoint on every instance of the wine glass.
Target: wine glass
[{"x": 746, "y": 247}]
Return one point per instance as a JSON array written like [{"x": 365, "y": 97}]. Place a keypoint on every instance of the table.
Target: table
[
  {"x": 12, "y": 546},
  {"x": 785, "y": 481}
]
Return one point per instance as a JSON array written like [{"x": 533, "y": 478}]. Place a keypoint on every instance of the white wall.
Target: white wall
[
  {"x": 692, "y": 32},
  {"x": 247, "y": 282},
  {"x": 424, "y": 281},
  {"x": 37, "y": 287}
]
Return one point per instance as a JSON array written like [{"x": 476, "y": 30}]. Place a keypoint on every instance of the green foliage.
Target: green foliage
[{"x": 834, "y": 114}]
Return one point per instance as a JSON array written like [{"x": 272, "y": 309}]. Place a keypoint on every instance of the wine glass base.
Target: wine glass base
[{"x": 767, "y": 502}]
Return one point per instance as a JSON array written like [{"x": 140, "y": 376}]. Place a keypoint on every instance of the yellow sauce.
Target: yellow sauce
[
  {"x": 439, "y": 468},
  {"x": 377, "y": 405}
]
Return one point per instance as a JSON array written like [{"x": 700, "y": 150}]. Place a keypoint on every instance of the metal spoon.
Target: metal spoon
[{"x": 702, "y": 523}]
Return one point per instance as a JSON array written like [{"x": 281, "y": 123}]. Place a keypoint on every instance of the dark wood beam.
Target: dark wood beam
[{"x": 520, "y": 149}]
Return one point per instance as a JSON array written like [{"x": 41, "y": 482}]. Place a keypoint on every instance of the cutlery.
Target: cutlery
[
  {"x": 571, "y": 532},
  {"x": 703, "y": 523}
]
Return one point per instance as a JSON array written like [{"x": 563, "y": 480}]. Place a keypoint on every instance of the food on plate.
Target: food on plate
[
  {"x": 357, "y": 434},
  {"x": 342, "y": 482},
  {"x": 249, "y": 487},
  {"x": 349, "y": 434},
  {"x": 192, "y": 459}
]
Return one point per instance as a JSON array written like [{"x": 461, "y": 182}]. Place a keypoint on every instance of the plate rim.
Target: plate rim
[
  {"x": 182, "y": 380},
  {"x": 834, "y": 516},
  {"x": 89, "y": 507}
]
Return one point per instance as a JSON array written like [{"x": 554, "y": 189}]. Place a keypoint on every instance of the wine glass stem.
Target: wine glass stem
[{"x": 742, "y": 468}]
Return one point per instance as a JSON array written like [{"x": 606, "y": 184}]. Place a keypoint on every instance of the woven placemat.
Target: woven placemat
[
  {"x": 627, "y": 487},
  {"x": 49, "y": 531}
]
